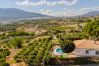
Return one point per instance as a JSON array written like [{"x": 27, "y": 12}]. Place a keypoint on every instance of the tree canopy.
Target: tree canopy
[
  {"x": 92, "y": 29},
  {"x": 16, "y": 42},
  {"x": 67, "y": 46}
]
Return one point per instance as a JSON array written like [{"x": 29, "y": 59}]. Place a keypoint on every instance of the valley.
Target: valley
[{"x": 32, "y": 42}]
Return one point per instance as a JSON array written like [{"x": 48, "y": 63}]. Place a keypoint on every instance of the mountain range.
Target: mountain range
[
  {"x": 92, "y": 13},
  {"x": 13, "y": 13}
]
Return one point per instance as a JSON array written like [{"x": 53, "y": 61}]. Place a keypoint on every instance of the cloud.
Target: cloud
[
  {"x": 49, "y": 12},
  {"x": 46, "y": 2},
  {"x": 45, "y": 11},
  {"x": 85, "y": 10},
  {"x": 69, "y": 12},
  {"x": 57, "y": 13}
]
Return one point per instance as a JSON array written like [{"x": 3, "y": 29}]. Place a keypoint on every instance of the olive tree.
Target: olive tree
[
  {"x": 16, "y": 43},
  {"x": 92, "y": 29},
  {"x": 67, "y": 46}
]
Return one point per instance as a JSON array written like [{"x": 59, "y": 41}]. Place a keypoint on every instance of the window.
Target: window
[
  {"x": 97, "y": 52},
  {"x": 87, "y": 51}
]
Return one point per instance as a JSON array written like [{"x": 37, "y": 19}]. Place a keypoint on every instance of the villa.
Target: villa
[
  {"x": 86, "y": 48},
  {"x": 83, "y": 48}
]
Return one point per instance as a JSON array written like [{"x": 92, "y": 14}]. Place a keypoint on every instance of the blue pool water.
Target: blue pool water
[{"x": 59, "y": 50}]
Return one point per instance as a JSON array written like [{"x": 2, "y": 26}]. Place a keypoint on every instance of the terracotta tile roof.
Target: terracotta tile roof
[{"x": 90, "y": 44}]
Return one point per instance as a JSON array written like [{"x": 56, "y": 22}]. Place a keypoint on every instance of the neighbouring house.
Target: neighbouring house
[{"x": 86, "y": 48}]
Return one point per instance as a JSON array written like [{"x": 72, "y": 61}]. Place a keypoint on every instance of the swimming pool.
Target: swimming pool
[{"x": 59, "y": 50}]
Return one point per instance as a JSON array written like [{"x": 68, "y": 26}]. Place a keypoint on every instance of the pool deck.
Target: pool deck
[{"x": 70, "y": 55}]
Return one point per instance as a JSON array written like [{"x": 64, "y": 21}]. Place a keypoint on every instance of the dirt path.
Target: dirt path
[{"x": 10, "y": 59}]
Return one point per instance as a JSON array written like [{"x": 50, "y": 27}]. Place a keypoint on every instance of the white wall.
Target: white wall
[{"x": 82, "y": 52}]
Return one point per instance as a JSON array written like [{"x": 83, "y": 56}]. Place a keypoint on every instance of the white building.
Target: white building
[
  {"x": 83, "y": 48},
  {"x": 86, "y": 48}
]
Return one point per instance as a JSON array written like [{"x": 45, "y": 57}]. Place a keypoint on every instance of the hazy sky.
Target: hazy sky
[{"x": 53, "y": 7}]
